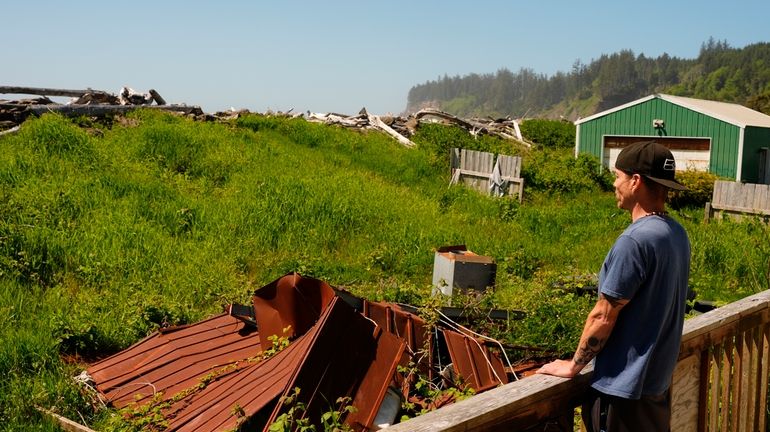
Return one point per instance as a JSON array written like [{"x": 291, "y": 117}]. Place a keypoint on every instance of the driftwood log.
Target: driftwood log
[
  {"x": 379, "y": 124},
  {"x": 47, "y": 91},
  {"x": 103, "y": 109}
]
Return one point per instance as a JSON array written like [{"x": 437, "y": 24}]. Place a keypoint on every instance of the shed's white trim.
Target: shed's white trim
[
  {"x": 740, "y": 155},
  {"x": 577, "y": 140},
  {"x": 734, "y": 114},
  {"x": 617, "y": 108}
]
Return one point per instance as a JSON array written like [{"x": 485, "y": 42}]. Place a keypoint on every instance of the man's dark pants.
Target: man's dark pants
[{"x": 606, "y": 413}]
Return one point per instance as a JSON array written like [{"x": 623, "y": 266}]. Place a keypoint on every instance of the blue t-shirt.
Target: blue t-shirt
[{"x": 649, "y": 265}]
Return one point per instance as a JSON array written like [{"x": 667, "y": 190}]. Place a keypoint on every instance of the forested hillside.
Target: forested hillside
[{"x": 720, "y": 72}]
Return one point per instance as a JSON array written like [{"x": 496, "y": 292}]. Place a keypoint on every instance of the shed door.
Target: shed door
[
  {"x": 764, "y": 165},
  {"x": 689, "y": 153}
]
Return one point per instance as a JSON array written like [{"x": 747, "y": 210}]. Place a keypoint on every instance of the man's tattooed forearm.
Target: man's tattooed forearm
[{"x": 587, "y": 352}]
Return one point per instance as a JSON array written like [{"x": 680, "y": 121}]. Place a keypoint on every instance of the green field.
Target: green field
[{"x": 107, "y": 232}]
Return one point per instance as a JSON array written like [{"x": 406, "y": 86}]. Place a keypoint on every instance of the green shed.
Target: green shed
[{"x": 726, "y": 139}]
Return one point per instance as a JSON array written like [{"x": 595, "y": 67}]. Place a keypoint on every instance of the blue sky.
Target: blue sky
[{"x": 338, "y": 56}]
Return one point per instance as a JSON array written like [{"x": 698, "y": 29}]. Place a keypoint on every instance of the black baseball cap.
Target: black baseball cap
[{"x": 652, "y": 160}]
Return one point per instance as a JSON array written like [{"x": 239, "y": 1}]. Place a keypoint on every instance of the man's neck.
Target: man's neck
[{"x": 640, "y": 210}]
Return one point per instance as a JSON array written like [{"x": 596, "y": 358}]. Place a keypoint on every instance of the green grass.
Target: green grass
[{"x": 104, "y": 237}]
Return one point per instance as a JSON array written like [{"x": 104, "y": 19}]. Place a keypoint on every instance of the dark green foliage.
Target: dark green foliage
[
  {"x": 560, "y": 172},
  {"x": 549, "y": 133},
  {"x": 700, "y": 188},
  {"x": 760, "y": 102},
  {"x": 437, "y": 140},
  {"x": 739, "y": 75}
]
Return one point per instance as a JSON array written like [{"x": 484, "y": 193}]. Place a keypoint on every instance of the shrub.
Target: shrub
[
  {"x": 437, "y": 140},
  {"x": 700, "y": 187},
  {"x": 258, "y": 122},
  {"x": 549, "y": 133},
  {"x": 558, "y": 171}
]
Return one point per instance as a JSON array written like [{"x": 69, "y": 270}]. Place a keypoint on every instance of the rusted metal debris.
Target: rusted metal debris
[{"x": 236, "y": 369}]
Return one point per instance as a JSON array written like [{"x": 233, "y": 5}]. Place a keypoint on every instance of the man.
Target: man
[{"x": 635, "y": 328}]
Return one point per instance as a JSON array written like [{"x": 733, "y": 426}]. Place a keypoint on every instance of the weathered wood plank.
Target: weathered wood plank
[
  {"x": 65, "y": 423},
  {"x": 510, "y": 166},
  {"x": 703, "y": 390},
  {"x": 745, "y": 391},
  {"x": 747, "y": 194},
  {"x": 696, "y": 331},
  {"x": 760, "y": 196},
  {"x": 736, "y": 209},
  {"x": 716, "y": 198},
  {"x": 754, "y": 409},
  {"x": 727, "y": 365},
  {"x": 765, "y": 371},
  {"x": 523, "y": 402},
  {"x": 454, "y": 158},
  {"x": 716, "y": 373},
  {"x": 736, "y": 384},
  {"x": 685, "y": 394}
]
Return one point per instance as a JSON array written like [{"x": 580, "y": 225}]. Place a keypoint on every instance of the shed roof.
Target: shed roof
[{"x": 735, "y": 114}]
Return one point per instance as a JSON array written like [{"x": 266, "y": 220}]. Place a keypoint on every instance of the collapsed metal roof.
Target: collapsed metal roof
[{"x": 230, "y": 371}]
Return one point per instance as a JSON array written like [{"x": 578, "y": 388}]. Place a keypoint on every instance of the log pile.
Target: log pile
[
  {"x": 98, "y": 103},
  {"x": 88, "y": 102},
  {"x": 403, "y": 128}
]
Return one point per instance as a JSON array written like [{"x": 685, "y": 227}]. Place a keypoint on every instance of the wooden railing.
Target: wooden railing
[{"x": 720, "y": 383}]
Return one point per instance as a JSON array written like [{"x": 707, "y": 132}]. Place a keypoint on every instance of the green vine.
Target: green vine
[{"x": 294, "y": 418}]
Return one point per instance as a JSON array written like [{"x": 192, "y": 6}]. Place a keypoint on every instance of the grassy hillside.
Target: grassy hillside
[{"x": 108, "y": 232}]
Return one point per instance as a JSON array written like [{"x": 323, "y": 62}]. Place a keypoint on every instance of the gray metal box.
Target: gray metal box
[{"x": 455, "y": 267}]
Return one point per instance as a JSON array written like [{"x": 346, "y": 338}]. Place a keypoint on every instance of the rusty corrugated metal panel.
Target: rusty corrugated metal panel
[
  {"x": 343, "y": 354},
  {"x": 371, "y": 392},
  {"x": 342, "y": 360},
  {"x": 173, "y": 359},
  {"x": 407, "y": 326},
  {"x": 254, "y": 388},
  {"x": 291, "y": 301},
  {"x": 473, "y": 361}
]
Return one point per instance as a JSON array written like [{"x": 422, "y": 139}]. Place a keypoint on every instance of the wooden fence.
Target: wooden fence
[
  {"x": 738, "y": 199},
  {"x": 475, "y": 169},
  {"x": 720, "y": 383}
]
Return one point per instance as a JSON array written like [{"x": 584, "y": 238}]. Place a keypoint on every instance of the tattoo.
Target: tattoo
[{"x": 586, "y": 353}]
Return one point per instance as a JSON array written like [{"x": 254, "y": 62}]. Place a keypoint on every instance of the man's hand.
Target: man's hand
[
  {"x": 597, "y": 329},
  {"x": 561, "y": 368}
]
